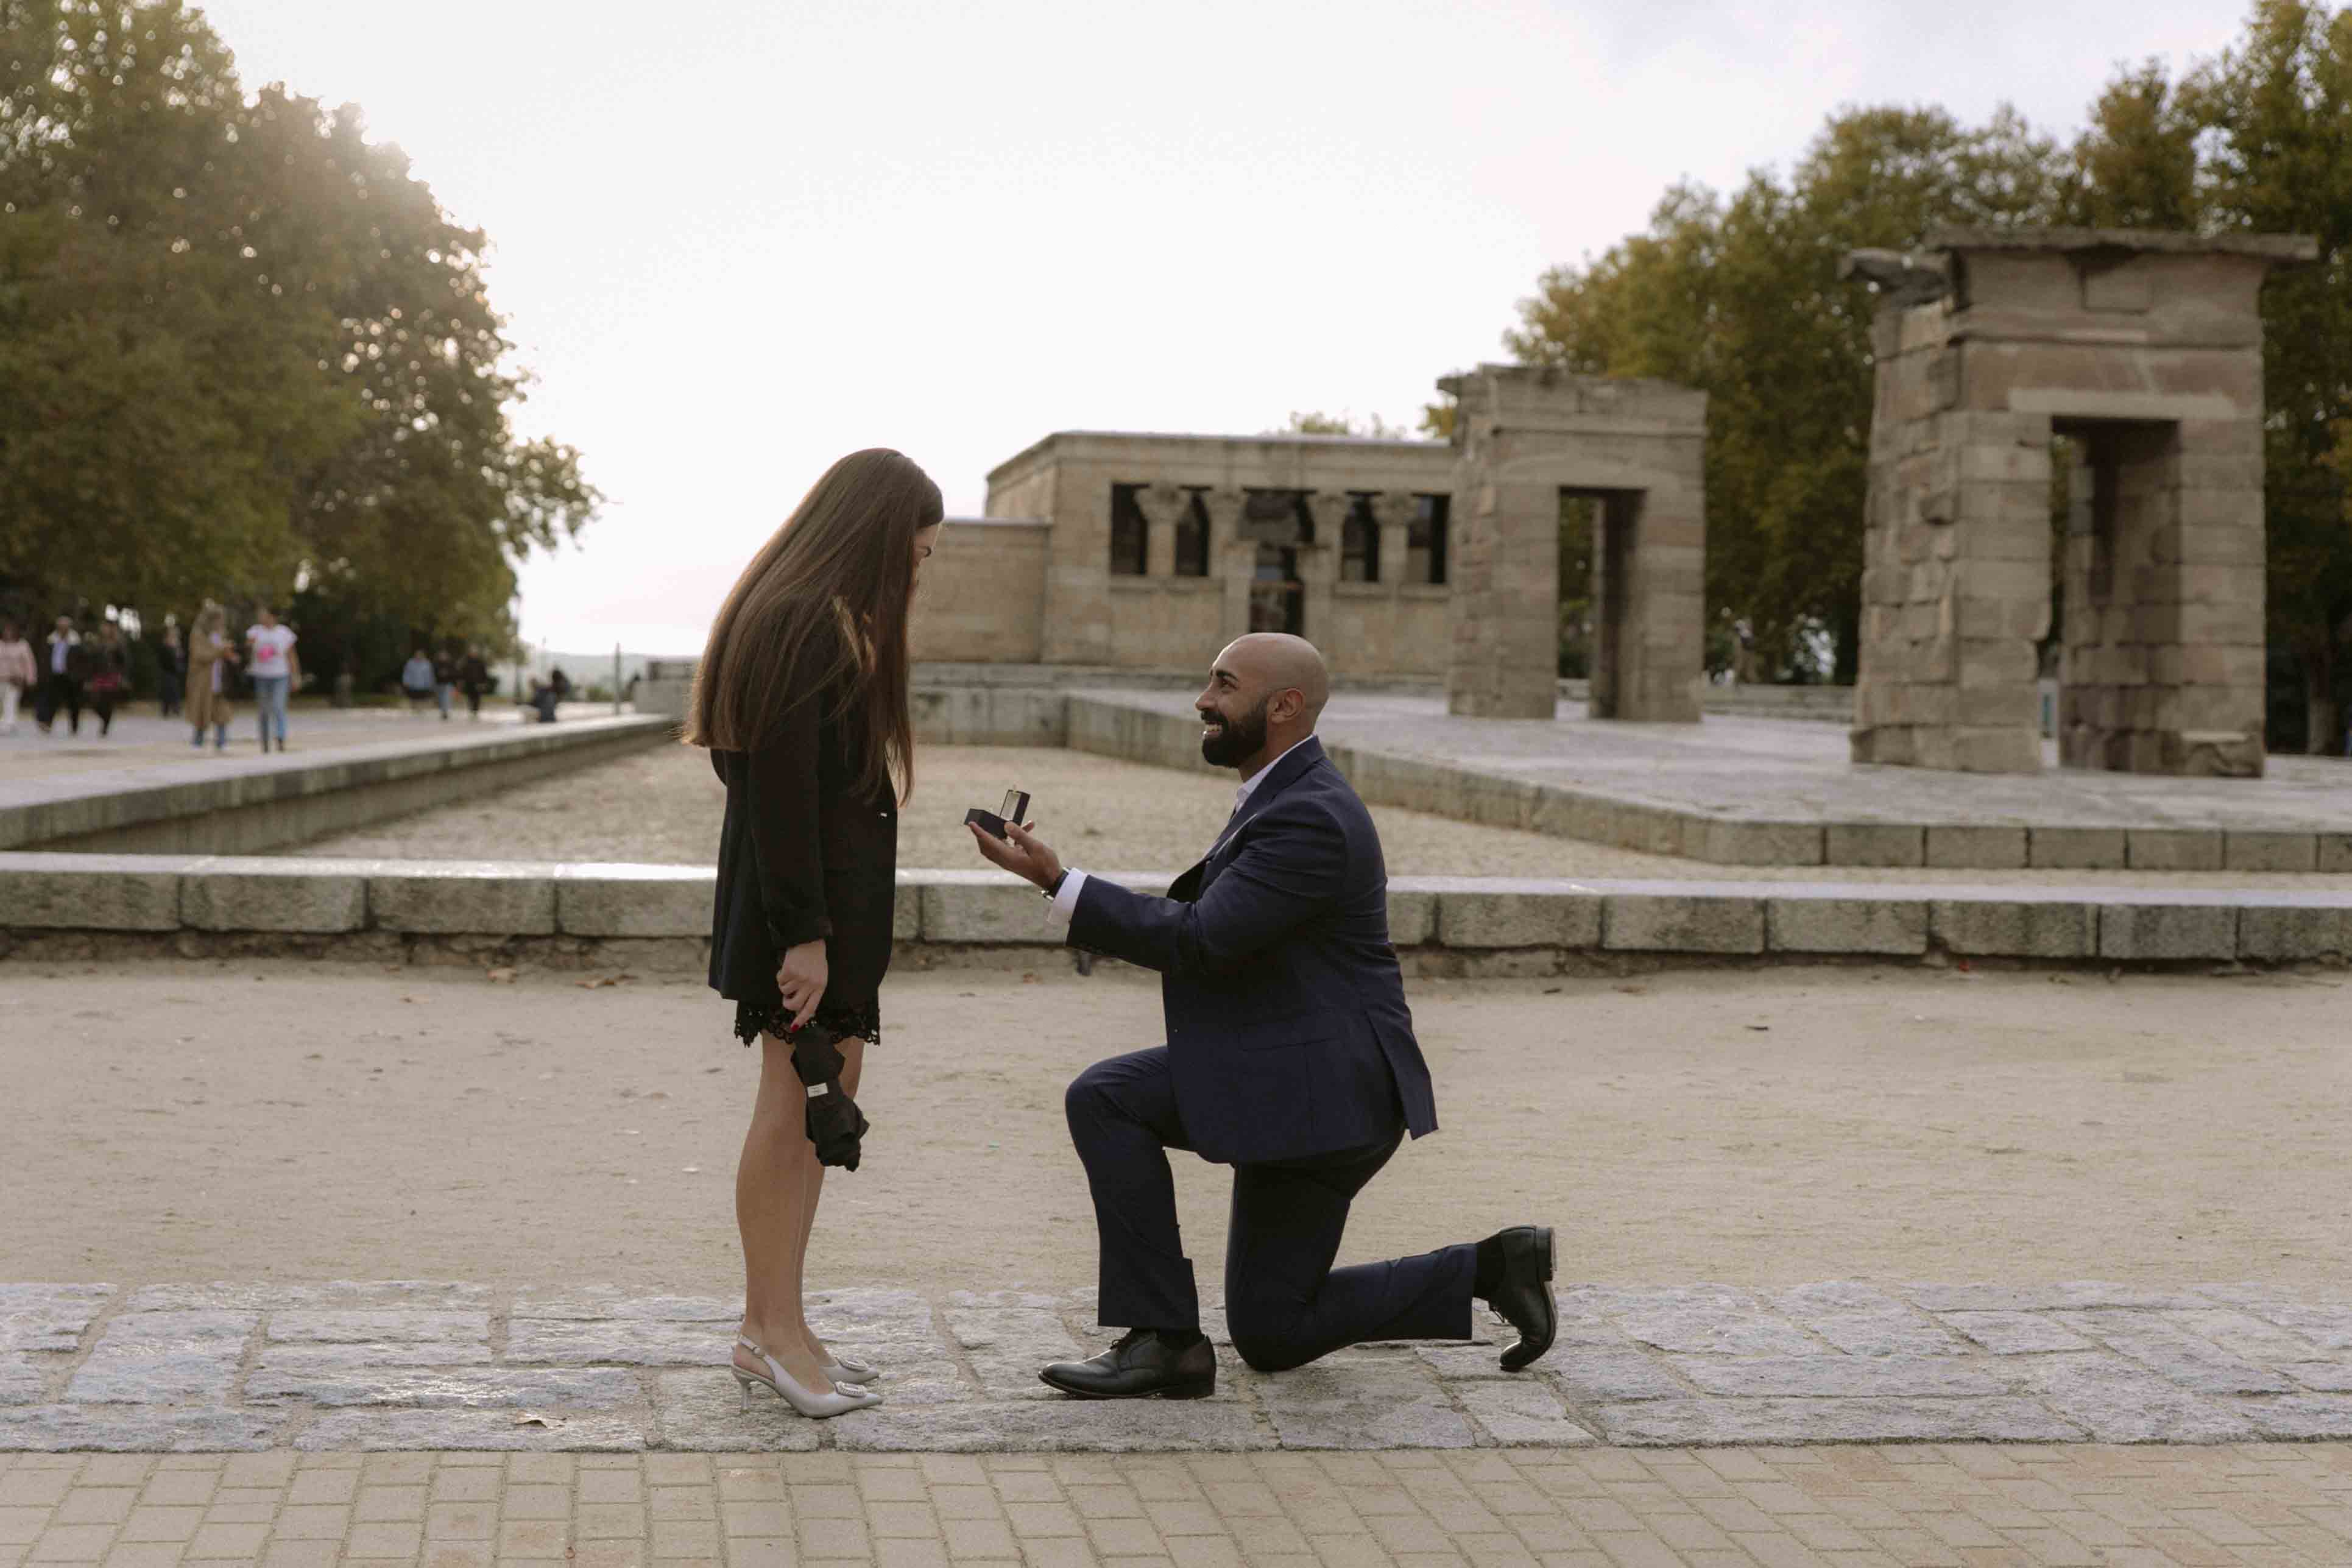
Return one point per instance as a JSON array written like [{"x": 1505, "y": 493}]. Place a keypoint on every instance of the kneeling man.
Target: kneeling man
[{"x": 1290, "y": 1057}]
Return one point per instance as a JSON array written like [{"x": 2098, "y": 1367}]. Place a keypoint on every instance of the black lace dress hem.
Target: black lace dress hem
[{"x": 753, "y": 1019}]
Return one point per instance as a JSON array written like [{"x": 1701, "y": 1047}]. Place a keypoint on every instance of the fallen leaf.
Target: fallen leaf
[
  {"x": 502, "y": 976},
  {"x": 697, "y": 1170},
  {"x": 1635, "y": 990},
  {"x": 531, "y": 1418}
]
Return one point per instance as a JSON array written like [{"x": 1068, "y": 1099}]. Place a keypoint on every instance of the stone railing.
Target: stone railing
[{"x": 658, "y": 917}]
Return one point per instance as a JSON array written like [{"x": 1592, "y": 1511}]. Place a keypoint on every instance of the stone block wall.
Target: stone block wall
[
  {"x": 2144, "y": 352},
  {"x": 982, "y": 597},
  {"x": 1528, "y": 436}
]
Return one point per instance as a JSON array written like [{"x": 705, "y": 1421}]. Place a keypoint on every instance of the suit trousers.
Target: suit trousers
[{"x": 1284, "y": 1304}]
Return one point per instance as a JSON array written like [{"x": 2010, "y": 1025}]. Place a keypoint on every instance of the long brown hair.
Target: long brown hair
[{"x": 844, "y": 563}]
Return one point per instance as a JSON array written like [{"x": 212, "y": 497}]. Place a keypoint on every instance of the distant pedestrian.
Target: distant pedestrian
[
  {"x": 417, "y": 680},
  {"x": 171, "y": 669},
  {"x": 17, "y": 672},
  {"x": 444, "y": 681},
  {"x": 61, "y": 670},
  {"x": 269, "y": 654},
  {"x": 211, "y": 656},
  {"x": 473, "y": 678},
  {"x": 106, "y": 679}
]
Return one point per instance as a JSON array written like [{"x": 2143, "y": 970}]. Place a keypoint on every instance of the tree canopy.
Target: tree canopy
[
  {"x": 243, "y": 350},
  {"x": 1738, "y": 295}
]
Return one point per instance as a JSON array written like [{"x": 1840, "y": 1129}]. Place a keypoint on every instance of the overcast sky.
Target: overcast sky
[{"x": 737, "y": 238}]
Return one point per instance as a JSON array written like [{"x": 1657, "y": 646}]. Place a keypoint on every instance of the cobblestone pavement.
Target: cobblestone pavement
[
  {"x": 1958, "y": 1506},
  {"x": 427, "y": 1365}
]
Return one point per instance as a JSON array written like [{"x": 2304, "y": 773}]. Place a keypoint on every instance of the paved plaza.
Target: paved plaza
[
  {"x": 399, "y": 1364},
  {"x": 1852, "y": 1507},
  {"x": 142, "y": 740},
  {"x": 1775, "y": 771}
]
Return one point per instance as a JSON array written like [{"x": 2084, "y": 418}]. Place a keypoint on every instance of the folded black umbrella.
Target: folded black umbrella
[{"x": 834, "y": 1123}]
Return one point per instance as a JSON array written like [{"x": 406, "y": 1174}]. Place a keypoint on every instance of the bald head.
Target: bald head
[{"x": 1264, "y": 694}]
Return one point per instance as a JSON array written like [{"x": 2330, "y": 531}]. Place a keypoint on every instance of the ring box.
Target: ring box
[{"x": 1016, "y": 807}]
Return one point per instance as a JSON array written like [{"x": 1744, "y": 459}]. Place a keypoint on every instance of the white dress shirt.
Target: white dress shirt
[{"x": 1065, "y": 902}]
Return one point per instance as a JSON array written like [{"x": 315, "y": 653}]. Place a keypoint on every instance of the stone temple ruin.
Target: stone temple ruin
[
  {"x": 2142, "y": 351},
  {"x": 1141, "y": 551}
]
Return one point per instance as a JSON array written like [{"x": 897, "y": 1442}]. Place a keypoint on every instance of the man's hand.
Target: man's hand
[{"x": 1019, "y": 853}]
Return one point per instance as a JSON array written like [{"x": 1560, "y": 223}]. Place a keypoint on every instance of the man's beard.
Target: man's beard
[{"x": 1241, "y": 738}]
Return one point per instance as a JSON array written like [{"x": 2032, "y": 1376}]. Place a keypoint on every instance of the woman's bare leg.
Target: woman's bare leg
[
  {"x": 853, "y": 1064},
  {"x": 772, "y": 1208}
]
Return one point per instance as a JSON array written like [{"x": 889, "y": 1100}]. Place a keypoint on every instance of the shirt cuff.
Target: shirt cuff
[{"x": 1065, "y": 902}]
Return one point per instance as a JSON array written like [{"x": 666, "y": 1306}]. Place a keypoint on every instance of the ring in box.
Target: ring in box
[{"x": 1016, "y": 807}]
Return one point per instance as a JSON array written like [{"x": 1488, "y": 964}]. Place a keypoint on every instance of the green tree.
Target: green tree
[
  {"x": 242, "y": 349},
  {"x": 1314, "y": 422}
]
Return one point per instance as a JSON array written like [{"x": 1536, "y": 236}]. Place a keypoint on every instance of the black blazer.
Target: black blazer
[
  {"x": 1288, "y": 1030},
  {"x": 805, "y": 853}
]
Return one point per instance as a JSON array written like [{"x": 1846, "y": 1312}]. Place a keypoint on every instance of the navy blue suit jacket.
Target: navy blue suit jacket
[{"x": 1288, "y": 1030}]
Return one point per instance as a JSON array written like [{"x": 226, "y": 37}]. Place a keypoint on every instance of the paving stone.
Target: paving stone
[
  {"x": 377, "y": 1431},
  {"x": 256, "y": 892},
  {"x": 934, "y": 1381},
  {"x": 872, "y": 1316},
  {"x": 1883, "y": 923},
  {"x": 1610, "y": 1376},
  {"x": 1108, "y": 1427},
  {"x": 2116, "y": 1401},
  {"x": 165, "y": 1358},
  {"x": 633, "y": 900},
  {"x": 413, "y": 1295},
  {"x": 130, "y": 1428},
  {"x": 2077, "y": 849},
  {"x": 1498, "y": 913},
  {"x": 2064, "y": 1295},
  {"x": 1846, "y": 1376},
  {"x": 702, "y": 1411},
  {"x": 461, "y": 896},
  {"x": 1326, "y": 1406},
  {"x": 21, "y": 1381},
  {"x": 639, "y": 1342},
  {"x": 327, "y": 1362},
  {"x": 1522, "y": 1413},
  {"x": 2304, "y": 1417},
  {"x": 2014, "y": 927},
  {"x": 2282, "y": 934},
  {"x": 2327, "y": 1324},
  {"x": 2017, "y": 1334},
  {"x": 2323, "y": 1376},
  {"x": 2150, "y": 931},
  {"x": 41, "y": 890},
  {"x": 1718, "y": 1320},
  {"x": 471, "y": 1388},
  {"x": 1979, "y": 848},
  {"x": 1457, "y": 1363},
  {"x": 1679, "y": 1423},
  {"x": 592, "y": 1302},
  {"x": 2240, "y": 1333},
  {"x": 1695, "y": 922},
  {"x": 375, "y": 1327},
  {"x": 1875, "y": 844},
  {"x": 1897, "y": 1332},
  {"x": 48, "y": 1317},
  {"x": 2176, "y": 1354},
  {"x": 2256, "y": 850},
  {"x": 2173, "y": 848}
]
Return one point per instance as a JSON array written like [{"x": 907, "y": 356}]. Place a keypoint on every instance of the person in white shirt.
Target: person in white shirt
[
  {"x": 270, "y": 661},
  {"x": 17, "y": 672}
]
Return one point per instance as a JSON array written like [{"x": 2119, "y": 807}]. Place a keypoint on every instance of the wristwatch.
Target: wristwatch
[{"x": 1054, "y": 888}]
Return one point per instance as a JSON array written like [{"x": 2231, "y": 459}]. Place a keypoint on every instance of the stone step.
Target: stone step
[{"x": 1443, "y": 925}]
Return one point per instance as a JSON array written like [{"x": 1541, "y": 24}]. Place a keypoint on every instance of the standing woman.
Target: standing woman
[
  {"x": 17, "y": 672},
  {"x": 802, "y": 699},
  {"x": 209, "y": 658},
  {"x": 108, "y": 681},
  {"x": 171, "y": 669}
]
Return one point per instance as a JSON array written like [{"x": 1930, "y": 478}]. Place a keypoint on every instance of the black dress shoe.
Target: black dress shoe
[
  {"x": 1524, "y": 1297},
  {"x": 1145, "y": 1362}
]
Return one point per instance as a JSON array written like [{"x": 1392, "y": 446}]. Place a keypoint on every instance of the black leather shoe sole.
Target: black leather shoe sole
[
  {"x": 1533, "y": 1268},
  {"x": 1187, "y": 1388}
]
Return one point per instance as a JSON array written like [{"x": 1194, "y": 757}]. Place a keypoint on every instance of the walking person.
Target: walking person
[
  {"x": 61, "y": 668},
  {"x": 17, "y": 672},
  {"x": 802, "y": 700},
  {"x": 211, "y": 657},
  {"x": 171, "y": 669},
  {"x": 108, "y": 678},
  {"x": 1290, "y": 1057},
  {"x": 416, "y": 680},
  {"x": 444, "y": 681},
  {"x": 474, "y": 679},
  {"x": 269, "y": 659}
]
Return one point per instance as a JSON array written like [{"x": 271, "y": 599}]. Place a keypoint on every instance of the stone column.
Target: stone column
[
  {"x": 1319, "y": 568},
  {"x": 1162, "y": 506},
  {"x": 1232, "y": 558},
  {"x": 1394, "y": 511}
]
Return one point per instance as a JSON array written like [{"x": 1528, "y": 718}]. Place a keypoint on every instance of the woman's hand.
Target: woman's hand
[{"x": 800, "y": 979}]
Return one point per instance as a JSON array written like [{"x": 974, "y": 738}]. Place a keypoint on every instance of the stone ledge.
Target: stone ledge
[{"x": 1487, "y": 921}]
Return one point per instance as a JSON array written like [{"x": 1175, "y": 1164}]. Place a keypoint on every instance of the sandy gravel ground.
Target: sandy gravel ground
[
  {"x": 299, "y": 1121},
  {"x": 663, "y": 807}
]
